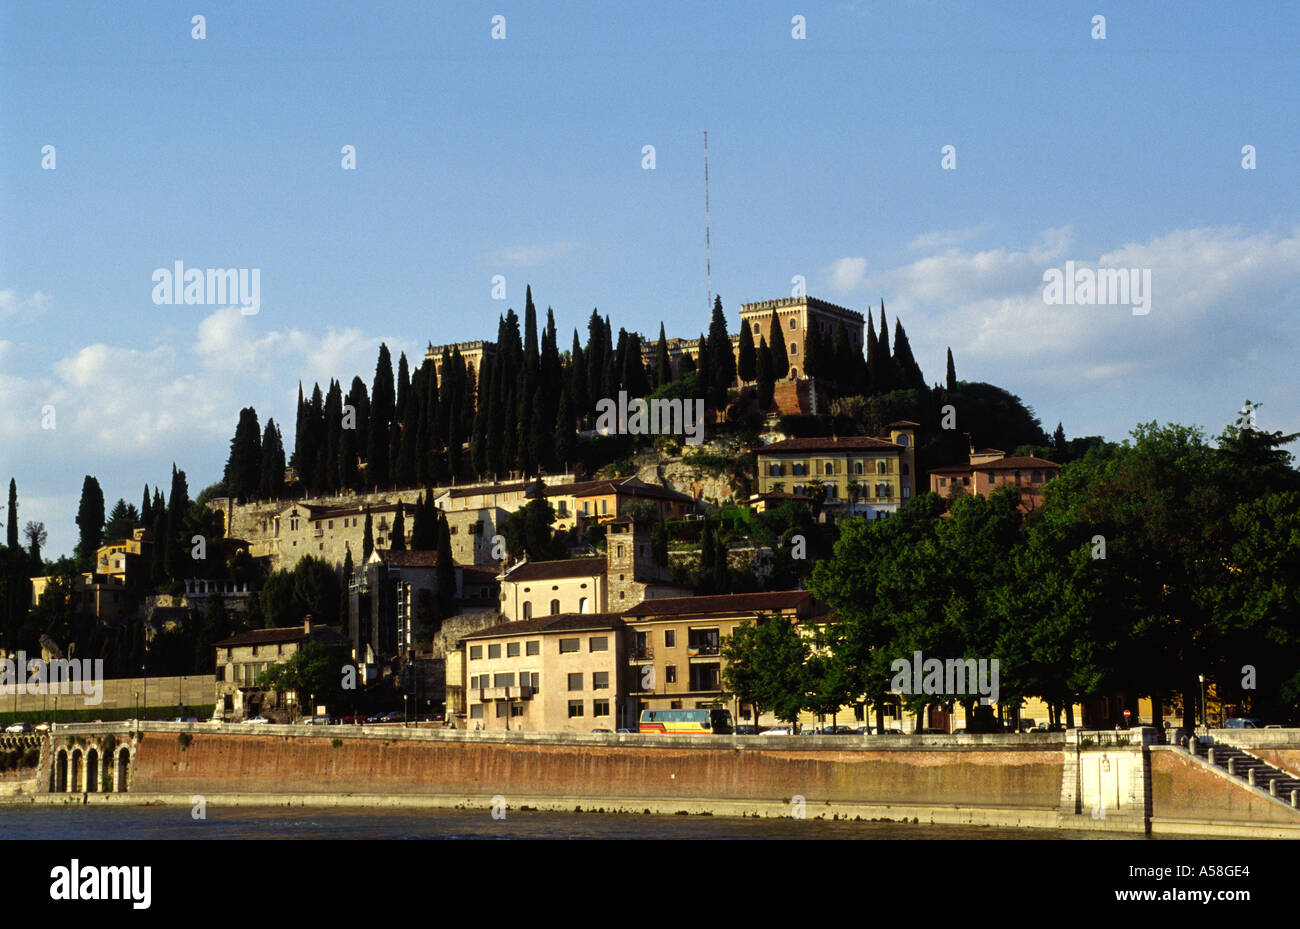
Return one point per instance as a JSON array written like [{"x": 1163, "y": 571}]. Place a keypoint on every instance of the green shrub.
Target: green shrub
[
  {"x": 336, "y": 743},
  {"x": 184, "y": 738}
]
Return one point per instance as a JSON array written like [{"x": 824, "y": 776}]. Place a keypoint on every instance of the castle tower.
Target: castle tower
[{"x": 630, "y": 565}]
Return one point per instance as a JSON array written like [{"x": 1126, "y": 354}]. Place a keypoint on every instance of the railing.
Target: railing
[{"x": 645, "y": 653}]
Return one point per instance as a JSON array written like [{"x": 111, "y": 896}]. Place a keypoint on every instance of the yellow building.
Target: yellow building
[
  {"x": 863, "y": 475},
  {"x": 554, "y": 674}
]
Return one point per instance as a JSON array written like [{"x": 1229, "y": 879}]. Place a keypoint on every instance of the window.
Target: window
[
  {"x": 494, "y": 651},
  {"x": 534, "y": 680},
  {"x": 512, "y": 650},
  {"x": 582, "y": 603},
  {"x": 965, "y": 482},
  {"x": 905, "y": 468},
  {"x": 798, "y": 469},
  {"x": 473, "y": 682},
  {"x": 775, "y": 470},
  {"x": 702, "y": 642},
  {"x": 675, "y": 705},
  {"x": 532, "y": 648},
  {"x": 555, "y": 607},
  {"x": 600, "y": 680},
  {"x": 794, "y": 323},
  {"x": 570, "y": 645},
  {"x": 882, "y": 468},
  {"x": 620, "y": 550},
  {"x": 857, "y": 467},
  {"x": 907, "y": 491},
  {"x": 755, "y": 328},
  {"x": 575, "y": 709},
  {"x": 943, "y": 482},
  {"x": 902, "y": 440},
  {"x": 794, "y": 348},
  {"x": 528, "y": 609},
  {"x": 501, "y": 709},
  {"x": 600, "y": 708},
  {"x": 670, "y": 638},
  {"x": 575, "y": 681},
  {"x": 475, "y": 652},
  {"x": 254, "y": 651},
  {"x": 504, "y": 679},
  {"x": 670, "y": 673},
  {"x": 598, "y": 643},
  {"x": 706, "y": 677},
  {"x": 476, "y": 711},
  {"x": 1038, "y": 477},
  {"x": 516, "y": 709},
  {"x": 830, "y": 467}
]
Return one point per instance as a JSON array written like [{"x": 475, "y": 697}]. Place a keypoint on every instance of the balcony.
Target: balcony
[
  {"x": 641, "y": 653},
  {"x": 702, "y": 651}
]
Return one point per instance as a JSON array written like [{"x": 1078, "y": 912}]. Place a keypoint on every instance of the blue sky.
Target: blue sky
[{"x": 522, "y": 157}]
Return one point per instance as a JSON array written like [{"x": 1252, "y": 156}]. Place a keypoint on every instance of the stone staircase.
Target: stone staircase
[{"x": 1252, "y": 771}]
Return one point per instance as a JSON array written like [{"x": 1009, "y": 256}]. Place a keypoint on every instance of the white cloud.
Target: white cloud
[
  {"x": 13, "y": 306},
  {"x": 847, "y": 274},
  {"x": 530, "y": 256},
  {"x": 943, "y": 238}
]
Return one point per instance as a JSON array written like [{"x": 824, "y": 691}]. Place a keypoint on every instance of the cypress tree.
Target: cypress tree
[
  {"x": 634, "y": 377},
  {"x": 299, "y": 436},
  {"x": 685, "y": 365},
  {"x": 580, "y": 405},
  {"x": 663, "y": 366},
  {"x": 721, "y": 355},
  {"x": 780, "y": 361},
  {"x": 403, "y": 387},
  {"x": 11, "y": 527},
  {"x": 368, "y": 540},
  {"x": 315, "y": 414},
  {"x": 842, "y": 352},
  {"x": 1058, "y": 439},
  {"x": 382, "y": 403},
  {"x": 445, "y": 573},
  {"x": 244, "y": 464},
  {"x": 90, "y": 520},
  {"x": 175, "y": 557},
  {"x": 906, "y": 369},
  {"x": 270, "y": 484},
  {"x": 747, "y": 364},
  {"x": 408, "y": 443},
  {"x": 952, "y": 372},
  {"x": 888, "y": 379},
  {"x": 397, "y": 541},
  {"x": 345, "y": 594},
  {"x": 873, "y": 358},
  {"x": 813, "y": 350},
  {"x": 596, "y": 351},
  {"x": 763, "y": 374},
  {"x": 333, "y": 426},
  {"x": 146, "y": 509},
  {"x": 704, "y": 369},
  {"x": 565, "y": 437}
]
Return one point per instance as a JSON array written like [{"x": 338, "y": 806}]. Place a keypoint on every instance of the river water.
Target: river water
[{"x": 176, "y": 822}]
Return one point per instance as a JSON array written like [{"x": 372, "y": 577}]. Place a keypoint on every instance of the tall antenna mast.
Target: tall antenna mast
[{"x": 708, "y": 245}]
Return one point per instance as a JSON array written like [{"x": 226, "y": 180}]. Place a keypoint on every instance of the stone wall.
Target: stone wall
[
  {"x": 469, "y": 765},
  {"x": 119, "y": 693}
]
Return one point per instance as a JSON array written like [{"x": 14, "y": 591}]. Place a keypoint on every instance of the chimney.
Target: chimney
[{"x": 306, "y": 625}]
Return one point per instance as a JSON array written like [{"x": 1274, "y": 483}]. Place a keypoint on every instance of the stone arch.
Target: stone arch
[
  {"x": 92, "y": 770},
  {"x": 123, "y": 769},
  {"x": 74, "y": 779}
]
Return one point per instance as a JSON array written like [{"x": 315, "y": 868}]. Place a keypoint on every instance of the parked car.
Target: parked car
[
  {"x": 746, "y": 730},
  {"x": 19, "y": 727},
  {"x": 315, "y": 720},
  {"x": 839, "y": 730},
  {"x": 43, "y": 727},
  {"x": 354, "y": 719},
  {"x": 257, "y": 719},
  {"x": 777, "y": 730},
  {"x": 377, "y": 718},
  {"x": 626, "y": 731},
  {"x": 1243, "y": 722},
  {"x": 610, "y": 731}
]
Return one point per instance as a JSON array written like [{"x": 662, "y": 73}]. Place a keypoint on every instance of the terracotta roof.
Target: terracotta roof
[
  {"x": 1019, "y": 461},
  {"x": 842, "y": 444},
  {"x": 627, "y": 486},
  {"x": 490, "y": 489},
  {"x": 903, "y": 424},
  {"x": 477, "y": 575},
  {"x": 956, "y": 469},
  {"x": 349, "y": 509},
  {"x": 553, "y": 570},
  {"x": 278, "y": 635},
  {"x": 762, "y": 602},
  {"x": 409, "y": 559},
  {"x": 562, "y": 622}
]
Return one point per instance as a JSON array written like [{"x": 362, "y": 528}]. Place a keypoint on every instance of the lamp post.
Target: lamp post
[
  {"x": 406, "y": 710},
  {"x": 1204, "y": 722},
  {"x": 137, "y": 704}
]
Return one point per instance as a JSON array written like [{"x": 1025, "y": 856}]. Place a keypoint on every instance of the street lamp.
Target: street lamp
[
  {"x": 406, "y": 710},
  {"x": 137, "y": 704},
  {"x": 1204, "y": 722}
]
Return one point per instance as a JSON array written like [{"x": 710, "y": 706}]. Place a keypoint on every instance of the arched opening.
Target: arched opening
[
  {"x": 92, "y": 770},
  {"x": 123, "y": 769},
  {"x": 75, "y": 785}
]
